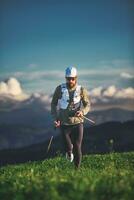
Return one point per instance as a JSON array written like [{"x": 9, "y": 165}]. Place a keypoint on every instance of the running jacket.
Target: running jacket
[{"x": 66, "y": 102}]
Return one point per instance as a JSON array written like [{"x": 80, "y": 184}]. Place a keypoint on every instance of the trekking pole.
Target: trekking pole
[
  {"x": 49, "y": 145},
  {"x": 50, "y": 141},
  {"x": 89, "y": 119}
]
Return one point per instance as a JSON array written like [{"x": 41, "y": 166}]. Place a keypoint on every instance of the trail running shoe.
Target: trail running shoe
[{"x": 69, "y": 156}]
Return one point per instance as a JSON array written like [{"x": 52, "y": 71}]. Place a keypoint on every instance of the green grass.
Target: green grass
[{"x": 101, "y": 177}]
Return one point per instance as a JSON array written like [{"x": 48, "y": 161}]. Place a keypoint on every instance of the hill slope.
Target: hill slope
[
  {"x": 100, "y": 177},
  {"x": 103, "y": 138}
]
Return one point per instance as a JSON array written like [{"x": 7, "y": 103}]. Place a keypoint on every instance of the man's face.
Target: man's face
[{"x": 71, "y": 81}]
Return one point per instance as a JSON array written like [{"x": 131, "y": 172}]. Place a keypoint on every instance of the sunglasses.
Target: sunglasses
[{"x": 71, "y": 78}]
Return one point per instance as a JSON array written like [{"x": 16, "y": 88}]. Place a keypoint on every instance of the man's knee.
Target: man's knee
[{"x": 78, "y": 145}]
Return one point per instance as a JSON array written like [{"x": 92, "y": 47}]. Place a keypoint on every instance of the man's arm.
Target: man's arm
[
  {"x": 54, "y": 103},
  {"x": 86, "y": 102}
]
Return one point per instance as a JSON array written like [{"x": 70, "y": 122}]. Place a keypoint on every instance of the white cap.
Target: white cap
[{"x": 71, "y": 72}]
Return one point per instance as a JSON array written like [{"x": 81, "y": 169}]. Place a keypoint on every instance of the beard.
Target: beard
[{"x": 71, "y": 85}]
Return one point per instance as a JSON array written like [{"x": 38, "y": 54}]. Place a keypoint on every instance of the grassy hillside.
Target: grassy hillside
[{"x": 101, "y": 177}]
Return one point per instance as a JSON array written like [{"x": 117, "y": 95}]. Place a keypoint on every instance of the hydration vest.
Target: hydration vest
[{"x": 64, "y": 102}]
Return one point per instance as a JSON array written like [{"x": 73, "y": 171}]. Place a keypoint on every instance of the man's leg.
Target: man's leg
[
  {"x": 77, "y": 139},
  {"x": 66, "y": 132}
]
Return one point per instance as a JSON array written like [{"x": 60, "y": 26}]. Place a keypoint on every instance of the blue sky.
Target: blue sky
[{"x": 39, "y": 39}]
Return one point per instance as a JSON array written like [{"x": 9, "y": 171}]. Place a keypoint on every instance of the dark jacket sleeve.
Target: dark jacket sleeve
[{"x": 54, "y": 103}]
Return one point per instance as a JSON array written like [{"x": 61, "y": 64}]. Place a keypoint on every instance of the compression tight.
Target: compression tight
[{"x": 72, "y": 140}]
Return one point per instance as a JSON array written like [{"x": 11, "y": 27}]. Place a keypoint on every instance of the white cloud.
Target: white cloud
[
  {"x": 99, "y": 73},
  {"x": 87, "y": 72},
  {"x": 39, "y": 75},
  {"x": 104, "y": 98},
  {"x": 3, "y": 88},
  {"x": 96, "y": 92},
  {"x": 110, "y": 91},
  {"x": 12, "y": 87},
  {"x": 125, "y": 93},
  {"x": 127, "y": 75},
  {"x": 44, "y": 98},
  {"x": 110, "y": 96}
]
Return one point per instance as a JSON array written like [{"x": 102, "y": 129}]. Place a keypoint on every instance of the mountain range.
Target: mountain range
[
  {"x": 99, "y": 139},
  {"x": 27, "y": 122}
]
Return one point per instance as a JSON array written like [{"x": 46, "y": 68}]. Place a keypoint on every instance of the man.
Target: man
[{"x": 69, "y": 104}]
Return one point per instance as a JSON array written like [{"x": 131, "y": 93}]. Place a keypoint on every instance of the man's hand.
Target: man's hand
[
  {"x": 57, "y": 123},
  {"x": 79, "y": 113}
]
